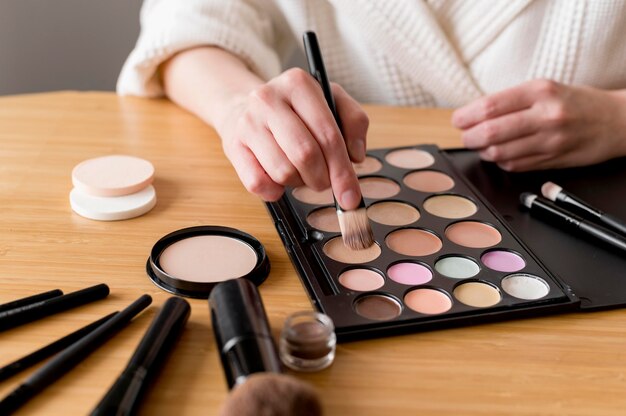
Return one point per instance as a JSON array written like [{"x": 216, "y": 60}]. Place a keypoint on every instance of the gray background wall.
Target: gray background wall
[{"x": 48, "y": 45}]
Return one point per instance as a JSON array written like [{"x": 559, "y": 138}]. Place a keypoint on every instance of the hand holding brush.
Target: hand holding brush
[{"x": 353, "y": 221}]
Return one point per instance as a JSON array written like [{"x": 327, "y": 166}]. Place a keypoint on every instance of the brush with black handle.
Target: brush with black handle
[{"x": 354, "y": 224}]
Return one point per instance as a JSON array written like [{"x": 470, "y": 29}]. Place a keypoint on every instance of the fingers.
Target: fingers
[
  {"x": 510, "y": 100},
  {"x": 501, "y": 129},
  {"x": 514, "y": 149},
  {"x": 355, "y": 123},
  {"x": 272, "y": 159},
  {"x": 308, "y": 102},
  {"x": 252, "y": 175},
  {"x": 286, "y": 135}
]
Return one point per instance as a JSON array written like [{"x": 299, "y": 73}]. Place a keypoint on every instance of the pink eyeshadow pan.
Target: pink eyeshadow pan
[
  {"x": 408, "y": 273},
  {"x": 503, "y": 261}
]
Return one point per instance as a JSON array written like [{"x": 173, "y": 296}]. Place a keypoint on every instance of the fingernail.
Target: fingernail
[{"x": 349, "y": 200}]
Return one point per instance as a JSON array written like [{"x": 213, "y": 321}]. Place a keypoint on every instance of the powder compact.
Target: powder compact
[
  {"x": 191, "y": 261},
  {"x": 442, "y": 255}
]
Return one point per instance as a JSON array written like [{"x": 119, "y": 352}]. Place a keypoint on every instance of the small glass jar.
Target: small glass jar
[{"x": 308, "y": 341}]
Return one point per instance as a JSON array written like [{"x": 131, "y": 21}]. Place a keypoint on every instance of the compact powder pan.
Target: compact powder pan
[
  {"x": 442, "y": 256},
  {"x": 191, "y": 261}
]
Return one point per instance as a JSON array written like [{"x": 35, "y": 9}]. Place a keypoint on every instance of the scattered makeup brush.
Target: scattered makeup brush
[
  {"x": 30, "y": 300},
  {"x": 242, "y": 331},
  {"x": 552, "y": 213},
  {"x": 70, "y": 357},
  {"x": 272, "y": 394},
  {"x": 50, "y": 349},
  {"x": 124, "y": 397},
  {"x": 31, "y": 312},
  {"x": 354, "y": 224},
  {"x": 250, "y": 359},
  {"x": 555, "y": 193}
]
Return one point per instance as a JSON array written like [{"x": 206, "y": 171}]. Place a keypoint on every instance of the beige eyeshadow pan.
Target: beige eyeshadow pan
[
  {"x": 362, "y": 280},
  {"x": 324, "y": 219},
  {"x": 368, "y": 166},
  {"x": 393, "y": 213},
  {"x": 410, "y": 158},
  {"x": 310, "y": 196},
  {"x": 338, "y": 251},
  {"x": 450, "y": 206},
  {"x": 473, "y": 234},
  {"x": 378, "y": 188},
  {"x": 477, "y": 294},
  {"x": 413, "y": 242},
  {"x": 428, "y": 181},
  {"x": 428, "y": 301}
]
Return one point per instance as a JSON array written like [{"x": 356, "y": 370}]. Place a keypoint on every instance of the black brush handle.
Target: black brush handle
[
  {"x": 30, "y": 300},
  {"x": 71, "y": 356},
  {"x": 124, "y": 397},
  {"x": 318, "y": 71},
  {"x": 50, "y": 349}
]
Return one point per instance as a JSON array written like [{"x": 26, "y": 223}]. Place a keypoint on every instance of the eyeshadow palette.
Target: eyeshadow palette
[{"x": 443, "y": 256}]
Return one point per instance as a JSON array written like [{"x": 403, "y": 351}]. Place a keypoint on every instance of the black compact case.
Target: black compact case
[{"x": 545, "y": 251}]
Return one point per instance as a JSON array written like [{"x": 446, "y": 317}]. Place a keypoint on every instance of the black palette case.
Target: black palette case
[{"x": 577, "y": 274}]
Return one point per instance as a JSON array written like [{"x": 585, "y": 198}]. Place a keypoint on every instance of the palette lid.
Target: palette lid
[{"x": 595, "y": 274}]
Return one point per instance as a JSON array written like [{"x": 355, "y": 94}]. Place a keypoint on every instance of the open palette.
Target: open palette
[{"x": 443, "y": 256}]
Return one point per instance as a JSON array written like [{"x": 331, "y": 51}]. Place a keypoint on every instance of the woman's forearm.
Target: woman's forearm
[{"x": 208, "y": 81}]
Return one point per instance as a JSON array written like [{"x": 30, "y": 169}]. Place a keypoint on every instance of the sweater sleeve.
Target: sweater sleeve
[{"x": 243, "y": 27}]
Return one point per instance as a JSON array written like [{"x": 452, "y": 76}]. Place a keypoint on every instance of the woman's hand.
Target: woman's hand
[
  {"x": 283, "y": 134},
  {"x": 542, "y": 124}
]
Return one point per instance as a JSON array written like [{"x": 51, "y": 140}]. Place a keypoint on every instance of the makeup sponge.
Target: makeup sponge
[
  {"x": 115, "y": 187},
  {"x": 272, "y": 394}
]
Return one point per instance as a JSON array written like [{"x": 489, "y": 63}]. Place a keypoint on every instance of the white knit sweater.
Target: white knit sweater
[{"x": 403, "y": 52}]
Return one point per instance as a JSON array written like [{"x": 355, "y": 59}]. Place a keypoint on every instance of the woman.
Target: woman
[{"x": 537, "y": 83}]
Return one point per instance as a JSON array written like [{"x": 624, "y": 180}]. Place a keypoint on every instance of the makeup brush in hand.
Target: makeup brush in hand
[
  {"x": 354, "y": 224},
  {"x": 272, "y": 394}
]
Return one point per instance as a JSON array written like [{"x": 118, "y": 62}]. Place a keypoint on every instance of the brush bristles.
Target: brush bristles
[
  {"x": 551, "y": 190},
  {"x": 270, "y": 394},
  {"x": 355, "y": 229},
  {"x": 527, "y": 199}
]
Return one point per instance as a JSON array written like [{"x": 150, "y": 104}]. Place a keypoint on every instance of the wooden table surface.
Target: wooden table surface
[{"x": 571, "y": 364}]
